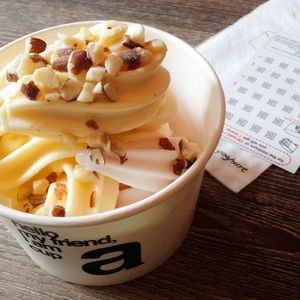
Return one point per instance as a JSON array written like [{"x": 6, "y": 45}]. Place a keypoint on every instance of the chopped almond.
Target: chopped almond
[
  {"x": 95, "y": 52},
  {"x": 131, "y": 58},
  {"x": 131, "y": 44},
  {"x": 30, "y": 90},
  {"x": 61, "y": 64},
  {"x": 95, "y": 74},
  {"x": 11, "y": 77},
  {"x": 123, "y": 158},
  {"x": 40, "y": 187},
  {"x": 79, "y": 61},
  {"x": 110, "y": 91},
  {"x": 113, "y": 64},
  {"x": 60, "y": 190},
  {"x": 52, "y": 177},
  {"x": 64, "y": 51},
  {"x": 86, "y": 95},
  {"x": 71, "y": 89},
  {"x": 92, "y": 124},
  {"x": 36, "y": 200},
  {"x": 179, "y": 166},
  {"x": 34, "y": 45},
  {"x": 58, "y": 211},
  {"x": 36, "y": 58},
  {"x": 92, "y": 199},
  {"x": 166, "y": 144}
]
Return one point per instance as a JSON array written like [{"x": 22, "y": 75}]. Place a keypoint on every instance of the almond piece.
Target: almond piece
[
  {"x": 86, "y": 95},
  {"x": 188, "y": 150},
  {"x": 12, "y": 77},
  {"x": 11, "y": 72},
  {"x": 34, "y": 45},
  {"x": 91, "y": 124},
  {"x": 30, "y": 90},
  {"x": 39, "y": 187},
  {"x": 36, "y": 58},
  {"x": 166, "y": 144},
  {"x": 136, "y": 33},
  {"x": 28, "y": 63},
  {"x": 92, "y": 199},
  {"x": 52, "y": 177},
  {"x": 131, "y": 58},
  {"x": 58, "y": 211},
  {"x": 131, "y": 44},
  {"x": 52, "y": 97},
  {"x": 61, "y": 64},
  {"x": 36, "y": 200},
  {"x": 60, "y": 190},
  {"x": 110, "y": 91},
  {"x": 45, "y": 78},
  {"x": 97, "y": 157},
  {"x": 95, "y": 52},
  {"x": 78, "y": 62},
  {"x": 113, "y": 64},
  {"x": 109, "y": 32},
  {"x": 64, "y": 51},
  {"x": 100, "y": 140},
  {"x": 95, "y": 74},
  {"x": 179, "y": 165},
  {"x": 71, "y": 89},
  {"x": 98, "y": 89}
]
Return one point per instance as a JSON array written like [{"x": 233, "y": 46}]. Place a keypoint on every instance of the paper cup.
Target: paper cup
[{"x": 123, "y": 244}]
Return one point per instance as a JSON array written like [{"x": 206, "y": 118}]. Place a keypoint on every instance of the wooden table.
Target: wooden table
[{"x": 244, "y": 246}]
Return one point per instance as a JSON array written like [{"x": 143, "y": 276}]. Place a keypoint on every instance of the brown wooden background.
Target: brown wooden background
[{"x": 244, "y": 246}]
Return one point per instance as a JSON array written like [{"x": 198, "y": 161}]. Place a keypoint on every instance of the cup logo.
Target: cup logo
[
  {"x": 130, "y": 256},
  {"x": 105, "y": 260}
]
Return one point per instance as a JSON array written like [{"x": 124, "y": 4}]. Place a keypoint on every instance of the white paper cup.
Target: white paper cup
[{"x": 120, "y": 245}]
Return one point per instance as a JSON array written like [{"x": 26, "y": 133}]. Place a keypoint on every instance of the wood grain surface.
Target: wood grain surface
[{"x": 244, "y": 246}]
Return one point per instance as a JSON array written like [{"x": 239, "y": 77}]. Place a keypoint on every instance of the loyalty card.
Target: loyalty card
[{"x": 263, "y": 105}]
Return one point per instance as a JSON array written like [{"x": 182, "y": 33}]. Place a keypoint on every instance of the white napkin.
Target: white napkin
[{"x": 228, "y": 52}]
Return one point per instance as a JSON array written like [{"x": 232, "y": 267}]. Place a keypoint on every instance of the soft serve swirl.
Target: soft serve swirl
[{"x": 80, "y": 118}]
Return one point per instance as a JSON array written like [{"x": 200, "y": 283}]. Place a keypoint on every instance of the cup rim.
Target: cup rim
[{"x": 147, "y": 203}]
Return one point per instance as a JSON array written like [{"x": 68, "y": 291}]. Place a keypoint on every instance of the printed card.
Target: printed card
[{"x": 263, "y": 105}]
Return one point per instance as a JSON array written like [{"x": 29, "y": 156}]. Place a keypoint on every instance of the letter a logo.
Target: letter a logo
[{"x": 131, "y": 257}]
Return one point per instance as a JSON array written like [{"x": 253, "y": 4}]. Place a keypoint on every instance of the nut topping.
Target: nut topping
[
  {"x": 52, "y": 177},
  {"x": 36, "y": 58},
  {"x": 61, "y": 64},
  {"x": 123, "y": 158},
  {"x": 36, "y": 200},
  {"x": 95, "y": 52},
  {"x": 34, "y": 45},
  {"x": 113, "y": 64},
  {"x": 131, "y": 44},
  {"x": 179, "y": 166},
  {"x": 60, "y": 190},
  {"x": 131, "y": 58},
  {"x": 91, "y": 124},
  {"x": 30, "y": 90},
  {"x": 92, "y": 199},
  {"x": 110, "y": 91},
  {"x": 86, "y": 95},
  {"x": 11, "y": 77},
  {"x": 58, "y": 211},
  {"x": 64, "y": 51},
  {"x": 79, "y": 61},
  {"x": 166, "y": 144},
  {"x": 95, "y": 74},
  {"x": 70, "y": 89}
]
